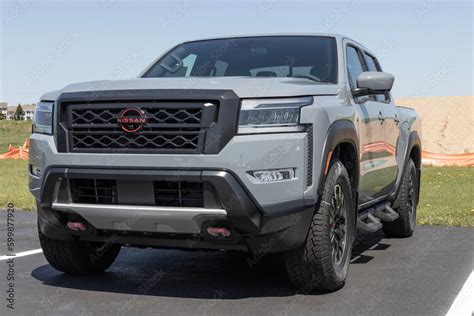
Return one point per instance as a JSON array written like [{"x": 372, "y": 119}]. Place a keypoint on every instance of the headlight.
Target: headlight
[
  {"x": 43, "y": 122},
  {"x": 271, "y": 115}
]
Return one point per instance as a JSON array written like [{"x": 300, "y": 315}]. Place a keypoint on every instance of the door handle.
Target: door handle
[{"x": 381, "y": 118}]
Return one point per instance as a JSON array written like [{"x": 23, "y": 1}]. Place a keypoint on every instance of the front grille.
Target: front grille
[
  {"x": 166, "y": 193},
  {"x": 155, "y": 116},
  {"x": 169, "y": 127},
  {"x": 93, "y": 191},
  {"x": 178, "y": 193}
]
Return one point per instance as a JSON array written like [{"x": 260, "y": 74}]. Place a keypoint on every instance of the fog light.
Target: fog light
[
  {"x": 36, "y": 171},
  {"x": 274, "y": 175}
]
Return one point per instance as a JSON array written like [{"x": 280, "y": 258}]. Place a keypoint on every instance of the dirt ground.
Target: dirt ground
[{"x": 447, "y": 123}]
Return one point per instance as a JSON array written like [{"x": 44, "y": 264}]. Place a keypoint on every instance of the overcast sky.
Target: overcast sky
[{"x": 45, "y": 45}]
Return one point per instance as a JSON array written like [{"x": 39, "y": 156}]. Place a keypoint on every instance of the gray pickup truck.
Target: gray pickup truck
[{"x": 279, "y": 144}]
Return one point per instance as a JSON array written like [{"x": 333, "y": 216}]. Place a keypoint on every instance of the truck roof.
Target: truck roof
[
  {"x": 338, "y": 37},
  {"x": 271, "y": 34}
]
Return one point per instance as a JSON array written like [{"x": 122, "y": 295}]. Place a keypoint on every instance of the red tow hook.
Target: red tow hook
[
  {"x": 76, "y": 226},
  {"x": 218, "y": 231}
]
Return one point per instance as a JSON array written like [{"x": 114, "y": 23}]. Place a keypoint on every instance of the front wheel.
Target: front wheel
[
  {"x": 322, "y": 263},
  {"x": 78, "y": 257}
]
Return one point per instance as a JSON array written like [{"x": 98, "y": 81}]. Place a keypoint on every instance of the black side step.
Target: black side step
[
  {"x": 386, "y": 213},
  {"x": 368, "y": 223}
]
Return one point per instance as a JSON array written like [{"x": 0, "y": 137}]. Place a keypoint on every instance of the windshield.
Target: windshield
[{"x": 310, "y": 57}]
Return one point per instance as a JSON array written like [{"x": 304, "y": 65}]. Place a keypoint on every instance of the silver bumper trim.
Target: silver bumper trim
[{"x": 143, "y": 218}]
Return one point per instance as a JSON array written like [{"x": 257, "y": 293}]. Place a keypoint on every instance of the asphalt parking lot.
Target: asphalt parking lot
[{"x": 418, "y": 275}]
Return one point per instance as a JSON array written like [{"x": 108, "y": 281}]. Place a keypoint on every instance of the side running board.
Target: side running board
[
  {"x": 371, "y": 221},
  {"x": 386, "y": 213},
  {"x": 368, "y": 223}
]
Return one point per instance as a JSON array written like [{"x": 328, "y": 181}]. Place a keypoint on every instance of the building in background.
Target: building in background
[
  {"x": 9, "y": 111},
  {"x": 3, "y": 110},
  {"x": 29, "y": 110}
]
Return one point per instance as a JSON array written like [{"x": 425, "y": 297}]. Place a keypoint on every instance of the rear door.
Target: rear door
[{"x": 371, "y": 132}]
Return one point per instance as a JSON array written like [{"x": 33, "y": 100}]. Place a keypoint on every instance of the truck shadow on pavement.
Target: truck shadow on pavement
[{"x": 194, "y": 274}]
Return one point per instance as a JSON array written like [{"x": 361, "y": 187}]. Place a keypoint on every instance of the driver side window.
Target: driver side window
[{"x": 354, "y": 65}]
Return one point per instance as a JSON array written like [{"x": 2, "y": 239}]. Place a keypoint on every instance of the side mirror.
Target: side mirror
[{"x": 373, "y": 82}]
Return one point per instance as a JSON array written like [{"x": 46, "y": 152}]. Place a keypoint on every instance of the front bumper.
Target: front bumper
[
  {"x": 258, "y": 213},
  {"x": 176, "y": 227}
]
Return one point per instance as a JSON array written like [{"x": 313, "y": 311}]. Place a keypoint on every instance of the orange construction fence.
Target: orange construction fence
[
  {"x": 20, "y": 152},
  {"x": 461, "y": 160},
  {"x": 428, "y": 158}
]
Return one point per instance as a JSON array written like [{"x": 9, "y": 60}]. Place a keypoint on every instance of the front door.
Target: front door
[
  {"x": 391, "y": 129},
  {"x": 374, "y": 156}
]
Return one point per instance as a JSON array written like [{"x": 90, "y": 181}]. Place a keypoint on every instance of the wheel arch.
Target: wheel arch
[
  {"x": 413, "y": 151},
  {"x": 341, "y": 142}
]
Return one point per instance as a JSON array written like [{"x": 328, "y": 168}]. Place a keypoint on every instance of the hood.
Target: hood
[{"x": 244, "y": 87}]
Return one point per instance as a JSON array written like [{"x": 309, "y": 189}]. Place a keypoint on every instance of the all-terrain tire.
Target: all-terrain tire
[
  {"x": 408, "y": 200},
  {"x": 78, "y": 257},
  {"x": 312, "y": 267}
]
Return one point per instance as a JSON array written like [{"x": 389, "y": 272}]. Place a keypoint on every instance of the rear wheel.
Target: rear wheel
[
  {"x": 408, "y": 200},
  {"x": 78, "y": 257},
  {"x": 322, "y": 263}
]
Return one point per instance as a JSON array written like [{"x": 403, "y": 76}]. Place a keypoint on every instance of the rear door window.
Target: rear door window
[
  {"x": 373, "y": 65},
  {"x": 371, "y": 62}
]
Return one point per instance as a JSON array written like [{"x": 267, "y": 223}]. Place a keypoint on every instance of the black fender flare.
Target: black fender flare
[
  {"x": 342, "y": 131},
  {"x": 413, "y": 141}
]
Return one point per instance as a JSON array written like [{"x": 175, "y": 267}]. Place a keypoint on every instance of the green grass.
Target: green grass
[
  {"x": 13, "y": 173},
  {"x": 13, "y": 132},
  {"x": 14, "y": 184},
  {"x": 446, "y": 192},
  {"x": 447, "y": 196}
]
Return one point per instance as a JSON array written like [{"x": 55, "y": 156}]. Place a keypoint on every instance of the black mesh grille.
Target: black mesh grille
[
  {"x": 166, "y": 193},
  {"x": 178, "y": 193},
  {"x": 93, "y": 191},
  {"x": 84, "y": 140},
  {"x": 89, "y": 117},
  {"x": 169, "y": 127}
]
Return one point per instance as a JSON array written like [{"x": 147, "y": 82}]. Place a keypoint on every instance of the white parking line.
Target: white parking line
[
  {"x": 464, "y": 304},
  {"x": 21, "y": 254}
]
